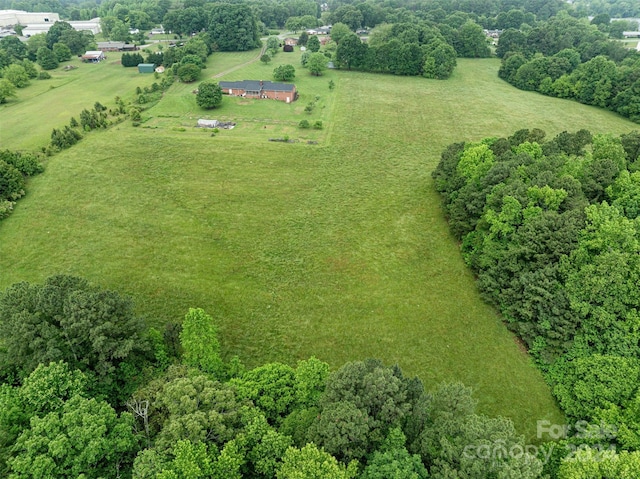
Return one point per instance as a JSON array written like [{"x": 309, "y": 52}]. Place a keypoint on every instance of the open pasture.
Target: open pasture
[
  {"x": 338, "y": 250},
  {"x": 27, "y": 120}
]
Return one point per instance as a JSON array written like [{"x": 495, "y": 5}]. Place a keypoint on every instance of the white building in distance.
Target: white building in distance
[
  {"x": 92, "y": 26},
  {"x": 20, "y": 17},
  {"x": 41, "y": 22}
]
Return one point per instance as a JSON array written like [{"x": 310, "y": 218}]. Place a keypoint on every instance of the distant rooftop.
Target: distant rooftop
[{"x": 257, "y": 85}]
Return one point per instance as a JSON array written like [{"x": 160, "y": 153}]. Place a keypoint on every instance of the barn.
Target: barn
[
  {"x": 260, "y": 89},
  {"x": 93, "y": 56}
]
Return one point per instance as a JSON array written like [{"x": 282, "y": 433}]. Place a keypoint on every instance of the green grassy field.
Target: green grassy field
[
  {"x": 27, "y": 120},
  {"x": 338, "y": 250}
]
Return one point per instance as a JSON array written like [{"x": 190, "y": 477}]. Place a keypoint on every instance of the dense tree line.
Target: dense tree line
[
  {"x": 131, "y": 59},
  {"x": 89, "y": 391},
  {"x": 612, "y": 8},
  {"x": 573, "y": 59},
  {"x": 411, "y": 48},
  {"x": 489, "y": 13},
  {"x": 226, "y": 27},
  {"x": 552, "y": 230}
]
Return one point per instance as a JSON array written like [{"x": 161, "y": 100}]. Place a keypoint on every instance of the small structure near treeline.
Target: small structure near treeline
[{"x": 146, "y": 67}]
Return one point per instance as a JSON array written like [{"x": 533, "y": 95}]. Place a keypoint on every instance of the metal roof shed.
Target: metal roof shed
[{"x": 146, "y": 67}]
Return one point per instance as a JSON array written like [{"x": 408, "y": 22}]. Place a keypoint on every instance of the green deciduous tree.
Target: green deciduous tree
[
  {"x": 351, "y": 52},
  {"x": 67, "y": 319},
  {"x": 197, "y": 409},
  {"x": 209, "y": 95},
  {"x": 595, "y": 464},
  {"x": 602, "y": 274},
  {"x": 7, "y": 90},
  {"x": 338, "y": 32},
  {"x": 188, "y": 72},
  {"x": 85, "y": 438},
  {"x": 11, "y": 182},
  {"x": 313, "y": 463},
  {"x": 272, "y": 388},
  {"x": 284, "y": 72},
  {"x": 440, "y": 60},
  {"x": 30, "y": 68},
  {"x": 454, "y": 440},
  {"x": 471, "y": 41},
  {"x": 316, "y": 64},
  {"x": 62, "y": 52},
  {"x": 199, "y": 340},
  {"x": 303, "y": 39},
  {"x": 596, "y": 382},
  {"x": 46, "y": 58},
  {"x": 313, "y": 44},
  {"x": 625, "y": 194},
  {"x": 361, "y": 402},
  {"x": 393, "y": 460},
  {"x": 273, "y": 45},
  {"x": 16, "y": 74},
  {"x": 14, "y": 47},
  {"x": 511, "y": 40},
  {"x": 48, "y": 388},
  {"x": 191, "y": 461},
  {"x": 56, "y": 31},
  {"x": 77, "y": 41}
]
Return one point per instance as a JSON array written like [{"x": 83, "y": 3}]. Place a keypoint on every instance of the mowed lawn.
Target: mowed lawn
[{"x": 338, "y": 250}]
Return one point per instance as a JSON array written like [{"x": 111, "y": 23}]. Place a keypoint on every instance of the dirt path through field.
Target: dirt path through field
[{"x": 232, "y": 69}]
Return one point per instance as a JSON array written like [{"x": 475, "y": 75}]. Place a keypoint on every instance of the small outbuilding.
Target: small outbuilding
[
  {"x": 203, "y": 123},
  {"x": 146, "y": 67},
  {"x": 93, "y": 56},
  {"x": 287, "y": 48}
]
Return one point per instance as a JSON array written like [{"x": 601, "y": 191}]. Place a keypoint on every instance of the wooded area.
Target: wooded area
[{"x": 552, "y": 230}]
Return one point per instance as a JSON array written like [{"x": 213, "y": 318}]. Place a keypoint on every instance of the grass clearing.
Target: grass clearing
[{"x": 337, "y": 250}]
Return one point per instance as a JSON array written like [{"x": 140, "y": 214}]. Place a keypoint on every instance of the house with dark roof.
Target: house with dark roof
[
  {"x": 260, "y": 89},
  {"x": 116, "y": 47}
]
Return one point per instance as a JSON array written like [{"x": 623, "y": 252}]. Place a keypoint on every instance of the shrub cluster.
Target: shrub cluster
[{"x": 15, "y": 167}]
